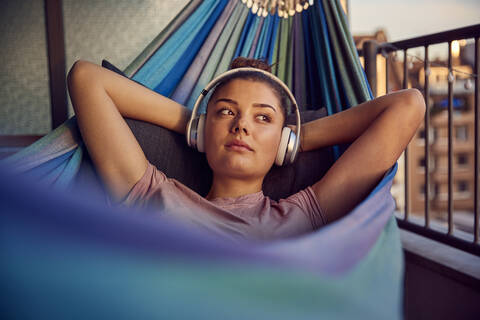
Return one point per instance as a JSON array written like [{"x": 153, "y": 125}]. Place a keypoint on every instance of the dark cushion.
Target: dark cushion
[
  {"x": 169, "y": 152},
  {"x": 107, "y": 65}
]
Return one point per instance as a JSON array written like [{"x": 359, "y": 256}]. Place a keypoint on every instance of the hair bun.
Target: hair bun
[{"x": 242, "y": 62}]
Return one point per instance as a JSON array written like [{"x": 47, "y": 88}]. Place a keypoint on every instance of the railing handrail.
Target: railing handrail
[
  {"x": 435, "y": 38},
  {"x": 430, "y": 39}
]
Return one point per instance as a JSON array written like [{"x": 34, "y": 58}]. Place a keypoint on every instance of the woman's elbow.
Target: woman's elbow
[
  {"x": 415, "y": 103},
  {"x": 79, "y": 72},
  {"x": 80, "y": 77},
  {"x": 410, "y": 108}
]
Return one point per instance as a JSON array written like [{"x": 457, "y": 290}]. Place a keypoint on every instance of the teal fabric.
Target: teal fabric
[
  {"x": 273, "y": 39},
  {"x": 340, "y": 58},
  {"x": 182, "y": 61},
  {"x": 275, "y": 49},
  {"x": 298, "y": 86},
  {"x": 261, "y": 40},
  {"x": 322, "y": 69},
  {"x": 282, "y": 57},
  {"x": 351, "y": 268},
  {"x": 78, "y": 259},
  {"x": 256, "y": 38},
  {"x": 260, "y": 52},
  {"x": 55, "y": 158},
  {"x": 243, "y": 36},
  {"x": 311, "y": 76},
  {"x": 173, "y": 58},
  {"x": 328, "y": 58},
  {"x": 230, "y": 47},
  {"x": 349, "y": 48},
  {"x": 250, "y": 36},
  {"x": 185, "y": 87},
  {"x": 221, "y": 54}
]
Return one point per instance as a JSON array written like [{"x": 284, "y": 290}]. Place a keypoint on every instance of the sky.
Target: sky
[{"x": 403, "y": 19}]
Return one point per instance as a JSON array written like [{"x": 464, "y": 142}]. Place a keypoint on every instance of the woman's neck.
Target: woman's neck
[{"x": 232, "y": 188}]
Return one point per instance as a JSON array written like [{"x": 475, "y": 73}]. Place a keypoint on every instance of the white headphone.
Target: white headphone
[{"x": 289, "y": 142}]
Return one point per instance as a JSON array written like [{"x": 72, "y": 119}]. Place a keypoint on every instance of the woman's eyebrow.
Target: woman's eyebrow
[{"x": 261, "y": 105}]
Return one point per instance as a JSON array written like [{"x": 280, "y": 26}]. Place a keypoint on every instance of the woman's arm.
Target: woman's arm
[
  {"x": 381, "y": 130},
  {"x": 134, "y": 100},
  {"x": 345, "y": 126},
  {"x": 101, "y": 98}
]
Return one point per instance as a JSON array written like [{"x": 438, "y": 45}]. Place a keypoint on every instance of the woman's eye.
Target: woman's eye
[
  {"x": 225, "y": 111},
  {"x": 263, "y": 117}
]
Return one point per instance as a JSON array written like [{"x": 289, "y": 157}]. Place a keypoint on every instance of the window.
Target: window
[
  {"x": 421, "y": 190},
  {"x": 431, "y": 191},
  {"x": 421, "y": 134},
  {"x": 461, "y": 133},
  {"x": 462, "y": 186},
  {"x": 462, "y": 159},
  {"x": 421, "y": 162}
]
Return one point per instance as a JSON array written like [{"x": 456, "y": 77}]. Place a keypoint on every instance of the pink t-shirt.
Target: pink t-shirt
[{"x": 251, "y": 216}]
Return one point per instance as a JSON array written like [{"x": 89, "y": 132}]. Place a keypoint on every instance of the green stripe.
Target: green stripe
[
  {"x": 356, "y": 78},
  {"x": 339, "y": 57}
]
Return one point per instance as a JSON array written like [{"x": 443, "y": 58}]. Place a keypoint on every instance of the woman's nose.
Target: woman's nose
[{"x": 240, "y": 125}]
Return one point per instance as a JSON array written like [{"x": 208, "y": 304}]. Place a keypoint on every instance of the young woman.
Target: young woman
[{"x": 244, "y": 121}]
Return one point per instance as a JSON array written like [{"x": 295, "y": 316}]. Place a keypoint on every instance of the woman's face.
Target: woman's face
[{"x": 243, "y": 112}]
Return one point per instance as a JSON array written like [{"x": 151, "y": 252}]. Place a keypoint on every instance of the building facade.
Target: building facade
[{"x": 463, "y": 147}]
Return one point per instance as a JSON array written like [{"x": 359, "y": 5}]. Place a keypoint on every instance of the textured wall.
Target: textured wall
[
  {"x": 116, "y": 30},
  {"x": 24, "y": 89}
]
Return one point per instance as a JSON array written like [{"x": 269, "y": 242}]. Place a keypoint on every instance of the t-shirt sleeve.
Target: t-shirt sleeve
[
  {"x": 308, "y": 203},
  {"x": 146, "y": 187}
]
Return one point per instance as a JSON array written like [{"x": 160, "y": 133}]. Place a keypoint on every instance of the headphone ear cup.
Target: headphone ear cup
[
  {"x": 282, "y": 148},
  {"x": 201, "y": 133}
]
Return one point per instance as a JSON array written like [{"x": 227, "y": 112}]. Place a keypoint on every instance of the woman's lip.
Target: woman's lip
[{"x": 237, "y": 147}]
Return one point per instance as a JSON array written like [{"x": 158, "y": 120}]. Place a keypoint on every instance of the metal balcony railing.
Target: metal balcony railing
[{"x": 369, "y": 51}]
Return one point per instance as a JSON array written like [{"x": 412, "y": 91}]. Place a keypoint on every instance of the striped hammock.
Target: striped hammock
[{"x": 64, "y": 257}]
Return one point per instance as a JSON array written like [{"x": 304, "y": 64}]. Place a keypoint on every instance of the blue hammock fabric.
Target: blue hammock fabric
[{"x": 64, "y": 257}]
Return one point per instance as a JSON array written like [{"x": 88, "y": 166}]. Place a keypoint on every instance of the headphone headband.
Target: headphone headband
[{"x": 244, "y": 70}]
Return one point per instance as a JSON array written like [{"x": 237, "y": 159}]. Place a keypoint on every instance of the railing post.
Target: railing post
[
  {"x": 476, "y": 197},
  {"x": 370, "y": 57},
  {"x": 406, "y": 166},
  {"x": 426, "y": 68},
  {"x": 450, "y": 139}
]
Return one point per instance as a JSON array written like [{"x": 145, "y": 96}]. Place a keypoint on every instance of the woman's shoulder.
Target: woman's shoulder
[
  {"x": 306, "y": 202},
  {"x": 151, "y": 180},
  {"x": 154, "y": 183}
]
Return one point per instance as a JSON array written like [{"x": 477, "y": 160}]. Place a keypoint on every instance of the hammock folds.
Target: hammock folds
[
  {"x": 113, "y": 263},
  {"x": 64, "y": 257}
]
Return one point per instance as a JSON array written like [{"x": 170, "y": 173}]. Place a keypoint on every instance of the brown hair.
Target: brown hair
[{"x": 241, "y": 62}]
